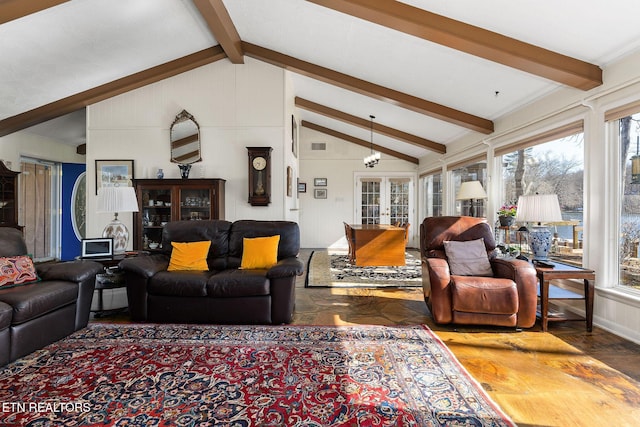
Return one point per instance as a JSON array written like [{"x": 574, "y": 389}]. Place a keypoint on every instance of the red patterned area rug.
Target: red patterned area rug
[{"x": 196, "y": 375}]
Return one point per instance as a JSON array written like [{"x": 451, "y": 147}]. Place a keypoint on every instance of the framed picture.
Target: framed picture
[
  {"x": 320, "y": 182},
  {"x": 302, "y": 187},
  {"x": 289, "y": 181},
  {"x": 320, "y": 193},
  {"x": 113, "y": 173},
  {"x": 95, "y": 248},
  {"x": 294, "y": 136}
]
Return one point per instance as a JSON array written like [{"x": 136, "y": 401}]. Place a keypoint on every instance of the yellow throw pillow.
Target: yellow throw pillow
[
  {"x": 259, "y": 252},
  {"x": 189, "y": 256}
]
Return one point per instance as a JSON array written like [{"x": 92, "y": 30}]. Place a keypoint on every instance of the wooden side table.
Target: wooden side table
[{"x": 550, "y": 292}]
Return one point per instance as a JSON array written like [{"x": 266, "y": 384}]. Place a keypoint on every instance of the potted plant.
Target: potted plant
[{"x": 507, "y": 215}]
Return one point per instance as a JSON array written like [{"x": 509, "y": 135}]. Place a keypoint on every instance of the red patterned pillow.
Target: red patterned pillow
[{"x": 17, "y": 270}]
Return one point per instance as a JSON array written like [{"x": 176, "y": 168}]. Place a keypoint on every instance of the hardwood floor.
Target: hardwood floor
[{"x": 564, "y": 377}]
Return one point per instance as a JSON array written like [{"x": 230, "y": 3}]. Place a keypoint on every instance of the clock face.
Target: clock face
[{"x": 259, "y": 163}]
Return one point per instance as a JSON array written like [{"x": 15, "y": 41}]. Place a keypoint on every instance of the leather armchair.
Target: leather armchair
[{"x": 508, "y": 298}]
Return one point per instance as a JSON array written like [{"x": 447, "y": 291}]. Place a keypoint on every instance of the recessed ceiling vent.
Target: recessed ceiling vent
[{"x": 319, "y": 146}]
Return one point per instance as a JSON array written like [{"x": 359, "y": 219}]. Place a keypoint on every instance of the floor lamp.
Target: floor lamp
[
  {"x": 539, "y": 208},
  {"x": 114, "y": 200},
  {"x": 471, "y": 190}
]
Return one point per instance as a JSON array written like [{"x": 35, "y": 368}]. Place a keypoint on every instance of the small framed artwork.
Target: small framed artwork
[
  {"x": 320, "y": 182},
  {"x": 294, "y": 136},
  {"x": 289, "y": 181},
  {"x": 302, "y": 187},
  {"x": 320, "y": 193},
  {"x": 113, "y": 173}
]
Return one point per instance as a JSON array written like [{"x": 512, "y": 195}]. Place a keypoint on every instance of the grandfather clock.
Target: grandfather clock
[{"x": 259, "y": 175}]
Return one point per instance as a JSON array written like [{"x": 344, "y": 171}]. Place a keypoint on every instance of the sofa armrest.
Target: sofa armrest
[
  {"x": 146, "y": 265},
  {"x": 525, "y": 276},
  {"x": 436, "y": 279},
  {"x": 71, "y": 271},
  {"x": 286, "y": 267},
  {"x": 137, "y": 271},
  {"x": 81, "y": 272}
]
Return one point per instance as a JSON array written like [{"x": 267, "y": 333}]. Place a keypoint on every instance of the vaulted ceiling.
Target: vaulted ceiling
[{"x": 431, "y": 71}]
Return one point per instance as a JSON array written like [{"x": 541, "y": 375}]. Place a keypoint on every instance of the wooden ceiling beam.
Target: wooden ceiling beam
[
  {"x": 108, "y": 90},
  {"x": 222, "y": 28},
  {"x": 366, "y": 124},
  {"x": 472, "y": 40},
  {"x": 359, "y": 141},
  {"x": 363, "y": 87},
  {"x": 14, "y": 9}
]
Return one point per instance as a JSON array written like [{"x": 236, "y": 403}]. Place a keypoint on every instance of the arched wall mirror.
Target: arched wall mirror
[{"x": 185, "y": 139}]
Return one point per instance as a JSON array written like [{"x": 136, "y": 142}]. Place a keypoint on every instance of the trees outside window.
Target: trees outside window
[
  {"x": 629, "y": 221},
  {"x": 553, "y": 167}
]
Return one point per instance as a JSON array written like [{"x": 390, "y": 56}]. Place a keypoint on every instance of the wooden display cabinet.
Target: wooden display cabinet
[
  {"x": 8, "y": 197},
  {"x": 164, "y": 200}
]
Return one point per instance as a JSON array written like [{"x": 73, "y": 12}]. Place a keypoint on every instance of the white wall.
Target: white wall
[
  {"x": 235, "y": 105},
  {"x": 615, "y": 310},
  {"x": 23, "y": 143},
  {"x": 321, "y": 220}
]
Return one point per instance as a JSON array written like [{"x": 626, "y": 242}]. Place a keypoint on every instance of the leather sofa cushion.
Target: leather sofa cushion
[
  {"x": 215, "y": 231},
  {"x": 289, "y": 233},
  {"x": 238, "y": 283},
  {"x": 6, "y": 313},
  {"x": 34, "y": 300},
  {"x": 484, "y": 295},
  {"x": 180, "y": 283}
]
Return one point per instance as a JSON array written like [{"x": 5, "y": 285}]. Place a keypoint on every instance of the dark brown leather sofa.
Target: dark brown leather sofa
[
  {"x": 37, "y": 314},
  {"x": 225, "y": 293},
  {"x": 507, "y": 298}
]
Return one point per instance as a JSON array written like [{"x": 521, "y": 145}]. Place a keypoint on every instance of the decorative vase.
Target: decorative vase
[
  {"x": 184, "y": 171},
  {"x": 506, "y": 220},
  {"x": 160, "y": 174}
]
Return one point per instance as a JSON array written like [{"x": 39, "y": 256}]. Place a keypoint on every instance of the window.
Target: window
[
  {"x": 629, "y": 195},
  {"x": 432, "y": 190},
  {"x": 550, "y": 164},
  {"x": 470, "y": 172}
]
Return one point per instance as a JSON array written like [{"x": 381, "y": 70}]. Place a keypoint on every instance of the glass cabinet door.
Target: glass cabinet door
[
  {"x": 156, "y": 212},
  {"x": 195, "y": 203}
]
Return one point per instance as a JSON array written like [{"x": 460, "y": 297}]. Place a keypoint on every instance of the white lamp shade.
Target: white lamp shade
[
  {"x": 471, "y": 190},
  {"x": 538, "y": 208},
  {"x": 117, "y": 199}
]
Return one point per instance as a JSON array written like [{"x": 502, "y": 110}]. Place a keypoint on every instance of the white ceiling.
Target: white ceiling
[{"x": 81, "y": 44}]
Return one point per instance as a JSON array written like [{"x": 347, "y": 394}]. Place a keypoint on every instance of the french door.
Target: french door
[{"x": 384, "y": 199}]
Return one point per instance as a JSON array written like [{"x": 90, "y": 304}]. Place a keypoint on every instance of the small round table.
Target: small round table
[{"x": 112, "y": 278}]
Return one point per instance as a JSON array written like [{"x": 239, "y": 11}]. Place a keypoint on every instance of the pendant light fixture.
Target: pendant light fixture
[{"x": 372, "y": 159}]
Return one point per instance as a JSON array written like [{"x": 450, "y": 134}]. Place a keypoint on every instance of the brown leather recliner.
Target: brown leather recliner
[
  {"x": 508, "y": 298},
  {"x": 37, "y": 314}
]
